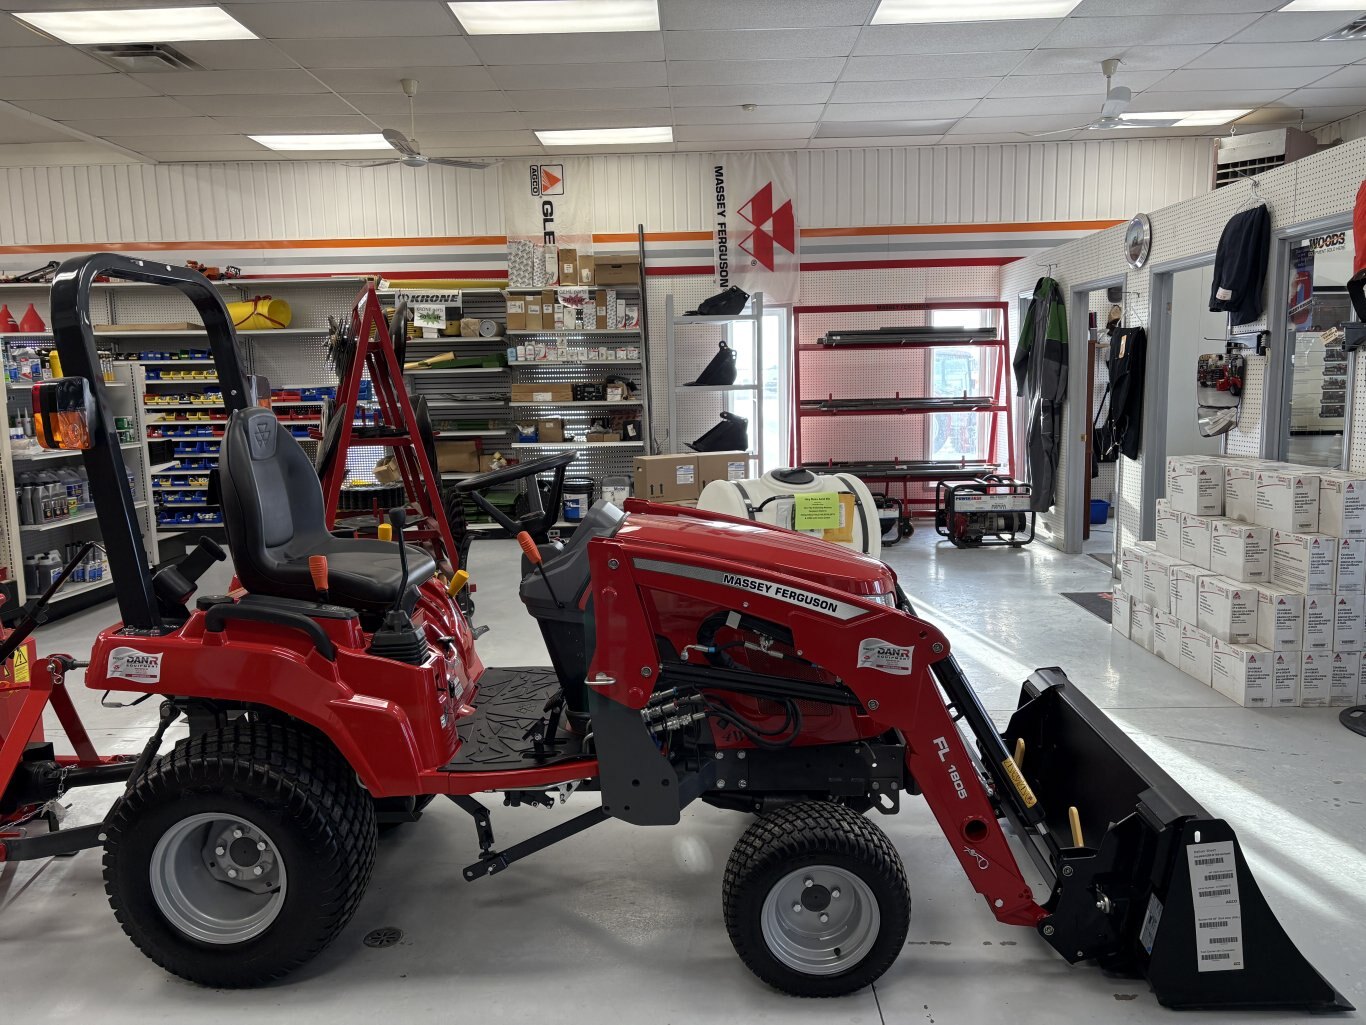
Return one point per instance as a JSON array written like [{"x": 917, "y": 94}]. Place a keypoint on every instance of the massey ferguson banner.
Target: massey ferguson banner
[
  {"x": 755, "y": 227},
  {"x": 546, "y": 206}
]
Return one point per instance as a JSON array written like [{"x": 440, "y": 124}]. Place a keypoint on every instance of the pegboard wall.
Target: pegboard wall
[{"x": 1317, "y": 186}]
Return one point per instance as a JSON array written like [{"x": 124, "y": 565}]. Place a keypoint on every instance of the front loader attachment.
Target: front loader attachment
[{"x": 1145, "y": 880}]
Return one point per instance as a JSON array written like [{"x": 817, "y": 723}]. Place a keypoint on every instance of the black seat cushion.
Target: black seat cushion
[{"x": 273, "y": 512}]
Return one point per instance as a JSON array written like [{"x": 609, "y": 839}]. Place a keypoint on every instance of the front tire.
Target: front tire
[
  {"x": 815, "y": 900},
  {"x": 240, "y": 855}
]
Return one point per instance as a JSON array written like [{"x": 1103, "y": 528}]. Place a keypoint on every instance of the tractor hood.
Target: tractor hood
[{"x": 755, "y": 548}]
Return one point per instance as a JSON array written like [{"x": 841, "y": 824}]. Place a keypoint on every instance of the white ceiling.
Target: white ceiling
[{"x": 819, "y": 73}]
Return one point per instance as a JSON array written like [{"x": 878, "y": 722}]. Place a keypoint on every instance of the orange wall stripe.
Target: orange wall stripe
[
  {"x": 960, "y": 229},
  {"x": 303, "y": 243},
  {"x": 655, "y": 236}
]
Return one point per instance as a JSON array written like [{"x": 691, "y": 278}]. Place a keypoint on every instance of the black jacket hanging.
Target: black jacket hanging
[
  {"x": 1126, "y": 365},
  {"x": 1240, "y": 265}
]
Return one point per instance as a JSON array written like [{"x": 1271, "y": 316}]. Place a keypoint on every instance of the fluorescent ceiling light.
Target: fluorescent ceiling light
[
  {"x": 607, "y": 136},
  {"x": 907, "y": 12},
  {"x": 321, "y": 142},
  {"x": 1301, "y": 6},
  {"x": 1189, "y": 118},
  {"x": 138, "y": 25},
  {"x": 549, "y": 17}
]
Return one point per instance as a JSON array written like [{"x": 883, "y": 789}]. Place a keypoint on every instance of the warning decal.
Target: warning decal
[
  {"x": 1218, "y": 916},
  {"x": 131, "y": 664},
  {"x": 884, "y": 656},
  {"x": 21, "y": 669}
]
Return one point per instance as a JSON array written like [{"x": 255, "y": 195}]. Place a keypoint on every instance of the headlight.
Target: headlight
[{"x": 884, "y": 599}]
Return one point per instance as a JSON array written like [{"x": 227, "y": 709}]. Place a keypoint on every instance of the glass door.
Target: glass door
[{"x": 769, "y": 440}]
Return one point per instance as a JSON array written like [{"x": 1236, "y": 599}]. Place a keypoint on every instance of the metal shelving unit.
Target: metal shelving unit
[{"x": 677, "y": 390}]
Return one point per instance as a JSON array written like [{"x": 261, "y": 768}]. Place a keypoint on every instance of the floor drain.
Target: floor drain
[{"x": 383, "y": 937}]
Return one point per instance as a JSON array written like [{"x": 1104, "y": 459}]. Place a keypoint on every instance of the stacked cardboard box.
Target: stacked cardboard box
[{"x": 1255, "y": 582}]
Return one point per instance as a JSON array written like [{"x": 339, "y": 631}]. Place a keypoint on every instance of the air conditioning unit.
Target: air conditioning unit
[{"x": 1238, "y": 156}]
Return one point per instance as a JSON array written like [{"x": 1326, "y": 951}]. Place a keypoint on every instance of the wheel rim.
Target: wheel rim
[
  {"x": 793, "y": 927},
  {"x": 218, "y": 878}
]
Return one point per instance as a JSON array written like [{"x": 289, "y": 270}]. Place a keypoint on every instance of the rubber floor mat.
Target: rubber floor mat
[
  {"x": 1098, "y": 603},
  {"x": 509, "y": 703}
]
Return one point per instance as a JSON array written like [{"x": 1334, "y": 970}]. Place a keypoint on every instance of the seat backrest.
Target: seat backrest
[{"x": 271, "y": 497}]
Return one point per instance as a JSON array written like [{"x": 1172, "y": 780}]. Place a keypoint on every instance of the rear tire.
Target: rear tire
[
  {"x": 228, "y": 802},
  {"x": 833, "y": 863}
]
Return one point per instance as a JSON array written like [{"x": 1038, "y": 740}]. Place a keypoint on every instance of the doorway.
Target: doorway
[{"x": 769, "y": 434}]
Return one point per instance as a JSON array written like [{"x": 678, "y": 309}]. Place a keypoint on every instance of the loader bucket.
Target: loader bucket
[{"x": 1145, "y": 880}]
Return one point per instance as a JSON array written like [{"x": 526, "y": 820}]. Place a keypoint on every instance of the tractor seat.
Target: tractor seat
[{"x": 272, "y": 505}]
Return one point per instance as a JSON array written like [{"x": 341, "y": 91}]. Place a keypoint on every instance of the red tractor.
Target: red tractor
[{"x": 694, "y": 657}]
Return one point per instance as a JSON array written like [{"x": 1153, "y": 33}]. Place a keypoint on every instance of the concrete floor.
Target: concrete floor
[{"x": 624, "y": 924}]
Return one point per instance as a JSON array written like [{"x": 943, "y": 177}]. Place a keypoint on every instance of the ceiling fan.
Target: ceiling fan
[
  {"x": 407, "y": 145},
  {"x": 1117, "y": 100}
]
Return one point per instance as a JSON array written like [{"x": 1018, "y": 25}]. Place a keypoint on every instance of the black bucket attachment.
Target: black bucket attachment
[{"x": 1146, "y": 881}]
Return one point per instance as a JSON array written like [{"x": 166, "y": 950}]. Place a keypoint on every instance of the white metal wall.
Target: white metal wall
[{"x": 1347, "y": 129}]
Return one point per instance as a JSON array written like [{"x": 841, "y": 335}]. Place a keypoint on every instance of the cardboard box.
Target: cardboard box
[
  {"x": 1316, "y": 679},
  {"x": 1227, "y": 610},
  {"x": 548, "y": 308},
  {"x": 1318, "y": 622},
  {"x": 1304, "y": 562},
  {"x": 616, "y": 270},
  {"x": 1344, "y": 677},
  {"x": 569, "y": 266},
  {"x": 1167, "y": 637},
  {"x": 1157, "y": 580},
  {"x": 1351, "y": 568},
  {"x": 1196, "y": 653},
  {"x": 1121, "y": 609},
  {"x": 550, "y": 430},
  {"x": 1241, "y": 672},
  {"x": 1342, "y": 503},
  {"x": 534, "y": 320},
  {"x": 1240, "y": 550},
  {"x": 543, "y": 391},
  {"x": 1141, "y": 624},
  {"x": 1195, "y": 539},
  {"x": 722, "y": 466},
  {"x": 1167, "y": 530},
  {"x": 1240, "y": 492},
  {"x": 600, "y": 315},
  {"x": 1185, "y": 591},
  {"x": 1131, "y": 568},
  {"x": 516, "y": 312},
  {"x": 457, "y": 456},
  {"x": 1280, "y": 619},
  {"x": 586, "y": 269},
  {"x": 1288, "y": 501},
  {"x": 1285, "y": 678},
  {"x": 1349, "y": 622},
  {"x": 1195, "y": 484},
  {"x": 669, "y": 478}
]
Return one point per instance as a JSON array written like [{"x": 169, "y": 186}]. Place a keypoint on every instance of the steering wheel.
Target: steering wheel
[{"x": 539, "y": 519}]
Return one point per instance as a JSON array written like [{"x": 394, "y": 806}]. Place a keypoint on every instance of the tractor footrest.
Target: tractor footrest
[{"x": 508, "y": 706}]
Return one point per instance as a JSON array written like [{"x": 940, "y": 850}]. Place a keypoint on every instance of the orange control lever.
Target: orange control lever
[
  {"x": 317, "y": 569},
  {"x": 529, "y": 548}
]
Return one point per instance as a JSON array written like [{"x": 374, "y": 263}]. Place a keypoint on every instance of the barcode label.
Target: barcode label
[
  {"x": 1214, "y": 899},
  {"x": 1218, "y": 877},
  {"x": 1222, "y": 892},
  {"x": 1218, "y": 955},
  {"x": 1201, "y": 862},
  {"x": 1221, "y": 940},
  {"x": 1217, "y": 923}
]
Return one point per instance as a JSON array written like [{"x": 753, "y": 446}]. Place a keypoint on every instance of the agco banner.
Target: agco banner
[
  {"x": 545, "y": 206},
  {"x": 755, "y": 223}
]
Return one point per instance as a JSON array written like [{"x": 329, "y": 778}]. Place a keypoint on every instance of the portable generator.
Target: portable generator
[{"x": 988, "y": 511}]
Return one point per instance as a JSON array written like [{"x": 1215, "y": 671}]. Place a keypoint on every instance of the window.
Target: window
[
  {"x": 769, "y": 440},
  {"x": 956, "y": 372}
]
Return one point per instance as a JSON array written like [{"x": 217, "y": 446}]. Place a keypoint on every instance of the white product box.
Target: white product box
[
  {"x": 1316, "y": 679},
  {"x": 1344, "y": 678},
  {"x": 1351, "y": 568},
  {"x": 1304, "y": 562},
  {"x": 1242, "y": 673},
  {"x": 1195, "y": 539},
  {"x": 1361, "y": 683},
  {"x": 1342, "y": 503},
  {"x": 1280, "y": 619},
  {"x": 1141, "y": 624},
  {"x": 1157, "y": 580},
  {"x": 1349, "y": 622},
  {"x": 1318, "y": 622},
  {"x": 1185, "y": 591},
  {"x": 1227, "y": 610},
  {"x": 1285, "y": 678},
  {"x": 1195, "y": 653},
  {"x": 1195, "y": 484},
  {"x": 1167, "y": 637},
  {"x": 1240, "y": 551},
  {"x": 1288, "y": 500},
  {"x": 1121, "y": 608},
  {"x": 1240, "y": 492},
  {"x": 1131, "y": 568},
  {"x": 1167, "y": 529}
]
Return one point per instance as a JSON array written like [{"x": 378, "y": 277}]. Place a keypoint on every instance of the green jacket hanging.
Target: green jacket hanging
[{"x": 1047, "y": 299}]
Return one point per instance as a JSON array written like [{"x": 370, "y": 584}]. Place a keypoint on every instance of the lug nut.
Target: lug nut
[
  {"x": 835, "y": 894},
  {"x": 237, "y": 834},
  {"x": 220, "y": 851},
  {"x": 824, "y": 918},
  {"x": 257, "y": 870},
  {"x": 232, "y": 873},
  {"x": 808, "y": 882},
  {"x": 797, "y": 908},
  {"x": 260, "y": 845}
]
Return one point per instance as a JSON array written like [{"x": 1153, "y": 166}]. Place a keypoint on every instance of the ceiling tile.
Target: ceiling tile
[
  {"x": 699, "y": 146},
  {"x": 762, "y": 14},
  {"x": 929, "y": 110},
  {"x": 183, "y": 156},
  {"x": 1083, "y": 60},
  {"x": 975, "y": 138},
  {"x": 216, "y": 83},
  {"x": 109, "y": 106},
  {"x": 740, "y": 133},
  {"x": 384, "y": 80},
  {"x": 725, "y": 95},
  {"x": 760, "y": 43},
  {"x": 1148, "y": 30},
  {"x": 1347, "y": 78},
  {"x": 382, "y": 51},
  {"x": 974, "y": 37},
  {"x": 588, "y": 99},
  {"x": 840, "y": 142},
  {"x": 1273, "y": 55},
  {"x": 508, "y": 150},
  {"x": 917, "y": 89},
  {"x": 571, "y": 48},
  {"x": 1233, "y": 100},
  {"x": 311, "y": 19},
  {"x": 608, "y": 75},
  {"x": 303, "y": 103},
  {"x": 473, "y": 121},
  {"x": 251, "y": 123},
  {"x": 931, "y": 65},
  {"x": 146, "y": 126},
  {"x": 73, "y": 87},
  {"x": 1227, "y": 79},
  {"x": 1074, "y": 85},
  {"x": 478, "y": 140},
  {"x": 236, "y": 54},
  {"x": 14, "y": 32},
  {"x": 733, "y": 115},
  {"x": 742, "y": 72},
  {"x": 647, "y": 118},
  {"x": 215, "y": 144},
  {"x": 992, "y": 125},
  {"x": 1294, "y": 28},
  {"x": 17, "y": 130},
  {"x": 1317, "y": 98},
  {"x": 881, "y": 129},
  {"x": 1029, "y": 106},
  {"x": 21, "y": 61},
  {"x": 429, "y": 103},
  {"x": 1112, "y": 8}
]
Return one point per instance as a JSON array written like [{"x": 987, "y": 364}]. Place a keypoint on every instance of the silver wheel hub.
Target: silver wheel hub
[
  {"x": 217, "y": 878},
  {"x": 820, "y": 920}
]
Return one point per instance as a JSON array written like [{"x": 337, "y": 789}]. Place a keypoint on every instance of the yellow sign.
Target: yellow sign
[
  {"x": 816, "y": 512},
  {"x": 1025, "y": 791},
  {"x": 21, "y": 670}
]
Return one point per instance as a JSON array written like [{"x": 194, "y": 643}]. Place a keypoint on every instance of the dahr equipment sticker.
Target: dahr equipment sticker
[
  {"x": 131, "y": 664},
  {"x": 884, "y": 656}
]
